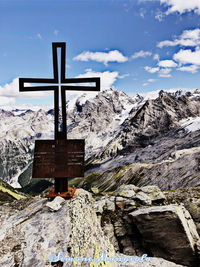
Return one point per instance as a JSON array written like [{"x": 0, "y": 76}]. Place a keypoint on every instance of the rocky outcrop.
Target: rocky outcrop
[
  {"x": 97, "y": 120},
  {"x": 181, "y": 171},
  {"x": 167, "y": 230},
  {"x": 153, "y": 119},
  {"x": 145, "y": 222},
  {"x": 8, "y": 193},
  {"x": 95, "y": 115},
  {"x": 43, "y": 234},
  {"x": 30, "y": 236},
  {"x": 190, "y": 197},
  {"x": 146, "y": 195},
  {"x": 18, "y": 132}
]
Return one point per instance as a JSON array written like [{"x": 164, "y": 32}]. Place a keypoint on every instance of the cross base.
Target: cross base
[
  {"x": 68, "y": 194},
  {"x": 61, "y": 184}
]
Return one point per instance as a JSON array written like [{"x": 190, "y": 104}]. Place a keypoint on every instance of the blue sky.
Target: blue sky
[{"x": 135, "y": 46}]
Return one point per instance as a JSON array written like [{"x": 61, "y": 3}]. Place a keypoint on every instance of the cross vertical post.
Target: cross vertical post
[{"x": 63, "y": 158}]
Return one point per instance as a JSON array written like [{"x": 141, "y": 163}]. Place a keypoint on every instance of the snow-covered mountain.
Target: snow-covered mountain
[
  {"x": 154, "y": 118},
  {"x": 113, "y": 124}
]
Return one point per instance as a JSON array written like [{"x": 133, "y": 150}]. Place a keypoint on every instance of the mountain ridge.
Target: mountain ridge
[{"x": 114, "y": 126}]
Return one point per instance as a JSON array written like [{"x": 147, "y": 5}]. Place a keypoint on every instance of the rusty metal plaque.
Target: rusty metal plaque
[{"x": 59, "y": 158}]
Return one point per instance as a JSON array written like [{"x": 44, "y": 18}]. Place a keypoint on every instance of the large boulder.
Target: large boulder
[
  {"x": 128, "y": 191},
  {"x": 154, "y": 193},
  {"x": 168, "y": 232},
  {"x": 36, "y": 235},
  {"x": 193, "y": 206}
]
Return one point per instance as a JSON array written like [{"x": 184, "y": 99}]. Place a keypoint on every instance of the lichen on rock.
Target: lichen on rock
[{"x": 36, "y": 233}]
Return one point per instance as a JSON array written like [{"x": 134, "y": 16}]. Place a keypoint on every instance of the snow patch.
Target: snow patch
[
  {"x": 81, "y": 99},
  {"x": 191, "y": 124},
  {"x": 14, "y": 182},
  {"x": 173, "y": 91}
]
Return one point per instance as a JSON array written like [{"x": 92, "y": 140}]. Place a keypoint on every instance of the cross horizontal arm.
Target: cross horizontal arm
[
  {"x": 81, "y": 87},
  {"x": 81, "y": 80},
  {"x": 22, "y": 81}
]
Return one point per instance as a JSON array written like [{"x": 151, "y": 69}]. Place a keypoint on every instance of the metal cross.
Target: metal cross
[
  {"x": 61, "y": 158},
  {"x": 57, "y": 81}
]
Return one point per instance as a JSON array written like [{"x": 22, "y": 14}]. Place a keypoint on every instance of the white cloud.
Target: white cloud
[
  {"x": 182, "y": 6},
  {"x": 167, "y": 43},
  {"x": 156, "y": 57},
  {"x": 151, "y": 80},
  {"x": 151, "y": 70},
  {"x": 188, "y": 56},
  {"x": 191, "y": 34},
  {"x": 105, "y": 57},
  {"x": 162, "y": 72},
  {"x": 160, "y": 16},
  {"x": 167, "y": 64},
  {"x": 187, "y": 38},
  {"x": 107, "y": 77},
  {"x": 191, "y": 68},
  {"x": 165, "y": 73},
  {"x": 11, "y": 105},
  {"x": 39, "y": 36},
  {"x": 141, "y": 53},
  {"x": 55, "y": 32},
  {"x": 145, "y": 84},
  {"x": 123, "y": 76},
  {"x": 141, "y": 1},
  {"x": 11, "y": 90},
  {"x": 6, "y": 100},
  {"x": 142, "y": 12}
]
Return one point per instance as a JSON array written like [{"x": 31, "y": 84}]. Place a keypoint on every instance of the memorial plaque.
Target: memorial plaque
[{"x": 58, "y": 158}]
